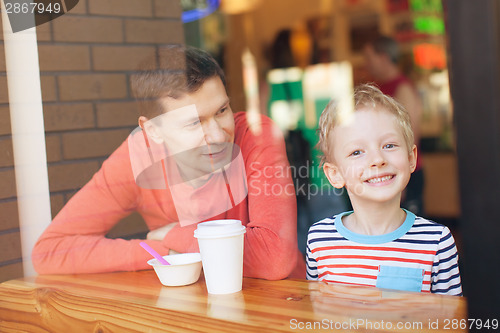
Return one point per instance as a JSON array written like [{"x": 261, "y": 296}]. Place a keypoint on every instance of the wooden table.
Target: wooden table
[{"x": 137, "y": 302}]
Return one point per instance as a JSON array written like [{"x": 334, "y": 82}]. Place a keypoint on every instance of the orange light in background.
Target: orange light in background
[
  {"x": 429, "y": 56},
  {"x": 301, "y": 45},
  {"x": 239, "y": 6}
]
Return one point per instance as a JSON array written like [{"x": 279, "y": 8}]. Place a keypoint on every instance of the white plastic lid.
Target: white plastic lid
[{"x": 219, "y": 228}]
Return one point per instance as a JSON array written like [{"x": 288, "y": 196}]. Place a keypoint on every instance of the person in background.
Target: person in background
[
  {"x": 312, "y": 202},
  {"x": 370, "y": 151},
  {"x": 381, "y": 57},
  {"x": 184, "y": 174}
]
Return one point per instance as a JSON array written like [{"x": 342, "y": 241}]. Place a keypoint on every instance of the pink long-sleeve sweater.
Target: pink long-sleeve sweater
[{"x": 75, "y": 241}]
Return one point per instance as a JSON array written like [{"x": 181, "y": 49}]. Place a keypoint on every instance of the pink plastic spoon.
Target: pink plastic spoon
[{"x": 154, "y": 253}]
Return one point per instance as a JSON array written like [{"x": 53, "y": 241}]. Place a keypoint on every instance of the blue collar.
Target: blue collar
[{"x": 377, "y": 239}]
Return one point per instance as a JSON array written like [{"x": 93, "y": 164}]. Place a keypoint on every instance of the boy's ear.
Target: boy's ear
[
  {"x": 332, "y": 172},
  {"x": 413, "y": 158},
  {"x": 150, "y": 129}
]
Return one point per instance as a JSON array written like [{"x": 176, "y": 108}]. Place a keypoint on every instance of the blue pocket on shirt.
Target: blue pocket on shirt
[{"x": 400, "y": 278}]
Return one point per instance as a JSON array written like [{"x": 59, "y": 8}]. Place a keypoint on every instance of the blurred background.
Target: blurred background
[
  {"x": 285, "y": 59},
  {"x": 298, "y": 55}
]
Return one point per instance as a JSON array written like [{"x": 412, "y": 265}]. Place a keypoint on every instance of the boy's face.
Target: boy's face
[
  {"x": 197, "y": 129},
  {"x": 370, "y": 157}
]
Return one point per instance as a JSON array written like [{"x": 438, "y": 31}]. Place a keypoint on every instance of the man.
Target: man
[
  {"x": 381, "y": 58},
  {"x": 184, "y": 165}
]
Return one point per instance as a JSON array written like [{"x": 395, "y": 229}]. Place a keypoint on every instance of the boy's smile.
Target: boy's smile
[
  {"x": 370, "y": 157},
  {"x": 381, "y": 180}
]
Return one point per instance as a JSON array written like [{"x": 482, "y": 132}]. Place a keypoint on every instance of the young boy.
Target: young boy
[{"x": 370, "y": 151}]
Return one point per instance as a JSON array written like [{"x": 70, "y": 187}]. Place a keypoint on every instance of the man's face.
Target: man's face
[{"x": 197, "y": 129}]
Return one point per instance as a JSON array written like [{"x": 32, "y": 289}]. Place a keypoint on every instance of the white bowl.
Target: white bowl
[{"x": 184, "y": 269}]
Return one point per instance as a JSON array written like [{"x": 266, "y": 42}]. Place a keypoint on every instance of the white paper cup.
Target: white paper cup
[{"x": 221, "y": 248}]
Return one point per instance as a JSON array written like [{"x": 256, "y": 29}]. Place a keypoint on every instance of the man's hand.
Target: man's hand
[{"x": 160, "y": 233}]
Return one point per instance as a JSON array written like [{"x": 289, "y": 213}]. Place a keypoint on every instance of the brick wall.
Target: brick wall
[{"x": 86, "y": 57}]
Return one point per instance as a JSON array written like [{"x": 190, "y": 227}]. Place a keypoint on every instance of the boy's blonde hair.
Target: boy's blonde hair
[{"x": 366, "y": 96}]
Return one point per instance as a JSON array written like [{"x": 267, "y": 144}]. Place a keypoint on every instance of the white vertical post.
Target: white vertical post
[{"x": 28, "y": 135}]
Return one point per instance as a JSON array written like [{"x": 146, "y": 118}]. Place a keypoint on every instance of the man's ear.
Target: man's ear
[
  {"x": 150, "y": 129},
  {"x": 332, "y": 172},
  {"x": 413, "y": 158}
]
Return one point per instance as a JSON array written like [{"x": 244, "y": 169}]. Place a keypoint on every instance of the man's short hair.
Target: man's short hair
[
  {"x": 387, "y": 45},
  {"x": 366, "y": 96},
  {"x": 172, "y": 72}
]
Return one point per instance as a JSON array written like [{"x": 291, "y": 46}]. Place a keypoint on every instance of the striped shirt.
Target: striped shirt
[{"x": 418, "y": 256}]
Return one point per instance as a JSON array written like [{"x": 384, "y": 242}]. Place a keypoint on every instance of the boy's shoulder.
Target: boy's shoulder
[
  {"x": 422, "y": 222},
  {"x": 323, "y": 230},
  {"x": 326, "y": 222},
  {"x": 425, "y": 230},
  {"x": 326, "y": 225}
]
